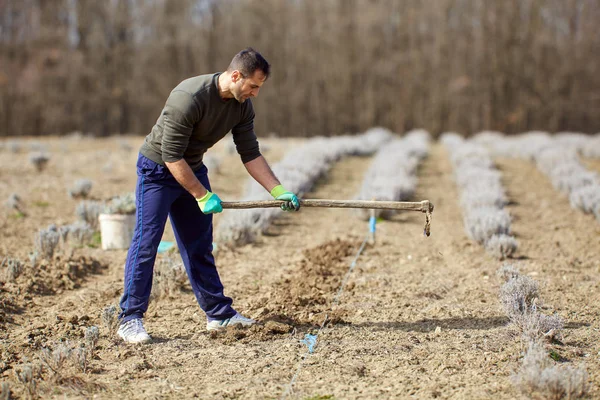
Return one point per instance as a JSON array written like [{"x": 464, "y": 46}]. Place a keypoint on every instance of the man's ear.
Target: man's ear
[{"x": 236, "y": 76}]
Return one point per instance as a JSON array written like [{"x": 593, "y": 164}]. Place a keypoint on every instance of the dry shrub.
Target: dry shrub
[
  {"x": 88, "y": 211},
  {"x": 519, "y": 297},
  {"x": 28, "y": 376},
  {"x": 78, "y": 233},
  {"x": 484, "y": 222},
  {"x": 91, "y": 336},
  {"x": 81, "y": 188},
  {"x": 46, "y": 241},
  {"x": 110, "y": 318},
  {"x": 539, "y": 378},
  {"x": 39, "y": 160},
  {"x": 585, "y": 198},
  {"x": 507, "y": 272},
  {"x": 55, "y": 361},
  {"x": 535, "y": 325},
  {"x": 501, "y": 246},
  {"x": 66, "y": 359},
  {"x": 122, "y": 204},
  {"x": 14, "y": 203},
  {"x": 10, "y": 269},
  {"x": 169, "y": 277}
]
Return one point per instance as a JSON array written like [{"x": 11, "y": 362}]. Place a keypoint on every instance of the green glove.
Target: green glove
[
  {"x": 210, "y": 203},
  {"x": 291, "y": 201}
]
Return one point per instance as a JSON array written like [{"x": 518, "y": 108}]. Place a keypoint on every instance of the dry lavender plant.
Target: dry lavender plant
[
  {"x": 573, "y": 140},
  {"x": 122, "y": 204},
  {"x": 482, "y": 223},
  {"x": 586, "y": 198},
  {"x": 566, "y": 173},
  {"x": 88, "y": 211},
  {"x": 65, "y": 358},
  {"x": 81, "y": 188},
  {"x": 507, "y": 272},
  {"x": 524, "y": 146},
  {"x": 46, "y": 241},
  {"x": 39, "y": 160},
  {"x": 169, "y": 277},
  {"x": 28, "y": 376},
  {"x": 11, "y": 268},
  {"x": 592, "y": 147},
  {"x": 79, "y": 233},
  {"x": 539, "y": 377},
  {"x": 81, "y": 358},
  {"x": 83, "y": 355},
  {"x": 482, "y": 195},
  {"x": 55, "y": 361},
  {"x": 519, "y": 297},
  {"x": 91, "y": 336},
  {"x": 110, "y": 318},
  {"x": 14, "y": 202},
  {"x": 558, "y": 158},
  {"x": 501, "y": 246}
]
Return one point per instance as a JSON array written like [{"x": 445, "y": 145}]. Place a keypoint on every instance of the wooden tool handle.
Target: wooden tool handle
[{"x": 423, "y": 206}]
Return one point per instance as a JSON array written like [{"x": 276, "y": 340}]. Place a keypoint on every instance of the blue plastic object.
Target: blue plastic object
[
  {"x": 310, "y": 341},
  {"x": 372, "y": 223},
  {"x": 165, "y": 246}
]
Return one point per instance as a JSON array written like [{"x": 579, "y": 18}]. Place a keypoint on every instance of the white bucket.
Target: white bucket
[{"x": 116, "y": 230}]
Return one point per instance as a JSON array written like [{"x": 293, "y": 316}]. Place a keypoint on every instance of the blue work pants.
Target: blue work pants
[{"x": 159, "y": 195}]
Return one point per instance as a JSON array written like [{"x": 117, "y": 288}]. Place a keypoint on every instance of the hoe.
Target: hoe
[{"x": 424, "y": 206}]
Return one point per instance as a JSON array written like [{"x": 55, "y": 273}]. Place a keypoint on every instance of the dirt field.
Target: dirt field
[{"x": 419, "y": 317}]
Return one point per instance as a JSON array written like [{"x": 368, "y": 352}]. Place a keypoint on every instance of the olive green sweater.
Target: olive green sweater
[{"x": 194, "y": 118}]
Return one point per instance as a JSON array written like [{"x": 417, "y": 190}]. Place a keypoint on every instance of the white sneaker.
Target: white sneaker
[
  {"x": 133, "y": 331},
  {"x": 237, "y": 319}
]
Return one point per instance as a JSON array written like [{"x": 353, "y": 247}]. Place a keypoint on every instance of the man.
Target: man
[{"x": 172, "y": 181}]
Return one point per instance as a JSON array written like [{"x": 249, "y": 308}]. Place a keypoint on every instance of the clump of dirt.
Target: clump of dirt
[
  {"x": 302, "y": 300},
  {"x": 50, "y": 277},
  {"x": 8, "y": 306},
  {"x": 309, "y": 292},
  {"x": 68, "y": 274}
]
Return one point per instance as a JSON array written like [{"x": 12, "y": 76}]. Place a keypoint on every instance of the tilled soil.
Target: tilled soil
[{"x": 419, "y": 316}]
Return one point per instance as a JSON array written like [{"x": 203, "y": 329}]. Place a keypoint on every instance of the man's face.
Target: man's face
[{"x": 246, "y": 87}]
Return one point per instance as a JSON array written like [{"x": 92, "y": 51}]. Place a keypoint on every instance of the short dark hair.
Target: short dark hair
[{"x": 248, "y": 61}]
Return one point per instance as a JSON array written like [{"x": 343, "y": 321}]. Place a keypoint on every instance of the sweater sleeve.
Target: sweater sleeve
[
  {"x": 244, "y": 136},
  {"x": 179, "y": 116}
]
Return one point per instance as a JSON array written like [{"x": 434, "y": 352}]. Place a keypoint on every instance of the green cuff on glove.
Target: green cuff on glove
[
  {"x": 291, "y": 202},
  {"x": 205, "y": 197},
  {"x": 210, "y": 203},
  {"x": 277, "y": 191}
]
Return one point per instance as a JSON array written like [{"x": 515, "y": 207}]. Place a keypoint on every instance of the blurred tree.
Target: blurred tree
[{"x": 339, "y": 66}]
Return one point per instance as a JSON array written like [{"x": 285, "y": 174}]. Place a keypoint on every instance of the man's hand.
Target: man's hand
[
  {"x": 210, "y": 203},
  {"x": 291, "y": 201}
]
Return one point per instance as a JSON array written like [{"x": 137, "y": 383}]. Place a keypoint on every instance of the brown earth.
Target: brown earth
[{"x": 418, "y": 317}]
